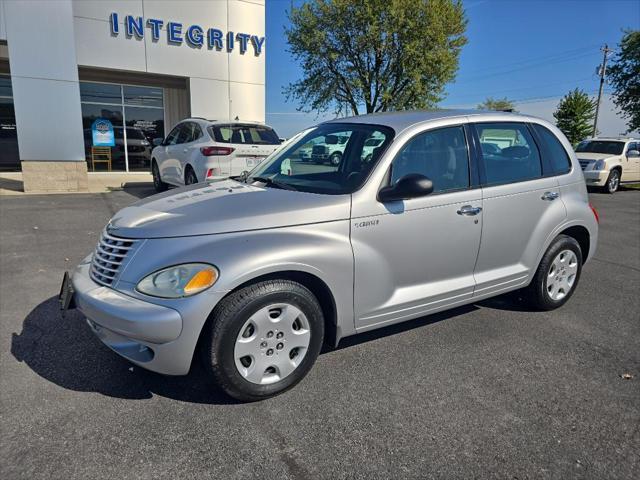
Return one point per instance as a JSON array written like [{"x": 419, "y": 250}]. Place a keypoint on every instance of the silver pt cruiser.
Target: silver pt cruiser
[{"x": 256, "y": 272}]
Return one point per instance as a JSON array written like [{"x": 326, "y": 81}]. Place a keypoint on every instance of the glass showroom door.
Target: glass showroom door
[
  {"x": 103, "y": 102},
  {"x": 144, "y": 117},
  {"x": 136, "y": 115},
  {"x": 9, "y": 157}
]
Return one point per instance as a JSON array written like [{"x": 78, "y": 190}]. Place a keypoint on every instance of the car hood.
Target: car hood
[
  {"x": 593, "y": 156},
  {"x": 223, "y": 207}
]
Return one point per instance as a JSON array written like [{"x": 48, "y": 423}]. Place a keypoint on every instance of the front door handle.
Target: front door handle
[
  {"x": 469, "y": 210},
  {"x": 185, "y": 150},
  {"x": 550, "y": 195}
]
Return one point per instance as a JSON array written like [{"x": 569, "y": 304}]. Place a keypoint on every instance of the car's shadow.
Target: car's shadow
[{"x": 63, "y": 350}]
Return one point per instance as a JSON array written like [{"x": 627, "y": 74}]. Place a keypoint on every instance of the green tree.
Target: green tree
[
  {"x": 574, "y": 115},
  {"x": 374, "y": 55},
  {"x": 500, "y": 104},
  {"x": 624, "y": 76}
]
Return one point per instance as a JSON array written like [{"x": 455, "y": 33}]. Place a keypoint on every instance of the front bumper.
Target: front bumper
[
  {"x": 146, "y": 334},
  {"x": 596, "y": 178}
]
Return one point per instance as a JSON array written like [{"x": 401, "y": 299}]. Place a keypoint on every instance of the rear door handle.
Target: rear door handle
[
  {"x": 469, "y": 210},
  {"x": 185, "y": 150},
  {"x": 550, "y": 195}
]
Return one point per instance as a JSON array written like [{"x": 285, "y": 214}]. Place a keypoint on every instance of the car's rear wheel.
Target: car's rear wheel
[
  {"x": 557, "y": 276},
  {"x": 263, "y": 339},
  {"x": 613, "y": 181},
  {"x": 158, "y": 184},
  {"x": 190, "y": 177}
]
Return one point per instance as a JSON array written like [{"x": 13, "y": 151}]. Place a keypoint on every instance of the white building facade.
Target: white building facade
[{"x": 137, "y": 66}]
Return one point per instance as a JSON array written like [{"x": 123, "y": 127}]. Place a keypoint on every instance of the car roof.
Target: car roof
[
  {"x": 621, "y": 139},
  {"x": 404, "y": 119},
  {"x": 222, "y": 122}
]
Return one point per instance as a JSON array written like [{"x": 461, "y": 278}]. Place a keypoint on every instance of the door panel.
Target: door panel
[
  {"x": 415, "y": 258},
  {"x": 521, "y": 205},
  {"x": 517, "y": 221},
  {"x": 169, "y": 167},
  {"x": 631, "y": 171}
]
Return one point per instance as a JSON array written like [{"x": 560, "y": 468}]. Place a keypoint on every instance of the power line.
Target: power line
[
  {"x": 573, "y": 51},
  {"x": 534, "y": 65},
  {"x": 500, "y": 92}
]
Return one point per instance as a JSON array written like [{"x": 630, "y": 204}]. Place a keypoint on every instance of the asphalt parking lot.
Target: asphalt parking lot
[{"x": 485, "y": 391}]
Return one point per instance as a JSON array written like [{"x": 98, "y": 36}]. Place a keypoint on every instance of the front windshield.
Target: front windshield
[
  {"x": 331, "y": 159},
  {"x": 600, "y": 146}
]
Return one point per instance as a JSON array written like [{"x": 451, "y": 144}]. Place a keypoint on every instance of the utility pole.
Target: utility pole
[{"x": 603, "y": 72}]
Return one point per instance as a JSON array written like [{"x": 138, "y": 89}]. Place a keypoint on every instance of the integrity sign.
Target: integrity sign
[{"x": 194, "y": 35}]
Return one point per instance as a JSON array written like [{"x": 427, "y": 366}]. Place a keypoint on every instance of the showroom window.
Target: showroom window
[
  {"x": 120, "y": 123},
  {"x": 9, "y": 158}
]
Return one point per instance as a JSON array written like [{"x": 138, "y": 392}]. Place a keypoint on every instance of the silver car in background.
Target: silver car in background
[
  {"x": 255, "y": 273},
  {"x": 197, "y": 149}
]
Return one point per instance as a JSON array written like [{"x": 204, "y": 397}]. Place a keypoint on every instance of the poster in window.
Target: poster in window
[{"x": 102, "y": 133}]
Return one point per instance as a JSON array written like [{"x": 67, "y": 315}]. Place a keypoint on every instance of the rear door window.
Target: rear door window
[{"x": 516, "y": 157}]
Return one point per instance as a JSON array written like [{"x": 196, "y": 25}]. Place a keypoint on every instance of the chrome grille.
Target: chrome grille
[
  {"x": 108, "y": 256},
  {"x": 584, "y": 163}
]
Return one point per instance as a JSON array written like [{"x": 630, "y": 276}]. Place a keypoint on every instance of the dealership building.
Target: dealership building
[{"x": 131, "y": 68}]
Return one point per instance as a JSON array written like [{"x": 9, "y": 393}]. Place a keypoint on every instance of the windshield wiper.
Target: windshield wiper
[{"x": 274, "y": 183}]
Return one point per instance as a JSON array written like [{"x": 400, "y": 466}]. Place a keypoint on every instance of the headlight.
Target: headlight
[
  {"x": 599, "y": 165},
  {"x": 179, "y": 281}
]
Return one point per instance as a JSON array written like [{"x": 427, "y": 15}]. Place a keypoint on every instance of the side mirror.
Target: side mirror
[
  {"x": 413, "y": 185},
  {"x": 633, "y": 154},
  {"x": 157, "y": 142}
]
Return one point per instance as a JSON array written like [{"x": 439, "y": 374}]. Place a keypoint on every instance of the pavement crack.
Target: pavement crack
[{"x": 617, "y": 264}]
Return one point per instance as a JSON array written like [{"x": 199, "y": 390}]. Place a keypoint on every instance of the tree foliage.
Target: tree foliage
[
  {"x": 375, "y": 55},
  {"x": 624, "y": 76},
  {"x": 574, "y": 115},
  {"x": 499, "y": 104}
]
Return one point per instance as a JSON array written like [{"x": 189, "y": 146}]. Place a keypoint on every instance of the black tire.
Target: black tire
[
  {"x": 158, "y": 184},
  {"x": 536, "y": 293},
  {"x": 190, "y": 176},
  {"x": 613, "y": 181},
  {"x": 228, "y": 318},
  {"x": 335, "y": 158}
]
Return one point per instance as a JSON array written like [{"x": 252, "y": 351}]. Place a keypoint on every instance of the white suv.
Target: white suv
[
  {"x": 198, "y": 149},
  {"x": 606, "y": 162}
]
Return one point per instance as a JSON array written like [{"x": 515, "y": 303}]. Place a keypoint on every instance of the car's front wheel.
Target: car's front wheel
[
  {"x": 158, "y": 184},
  {"x": 557, "y": 276},
  {"x": 263, "y": 339},
  {"x": 335, "y": 158},
  {"x": 613, "y": 181}
]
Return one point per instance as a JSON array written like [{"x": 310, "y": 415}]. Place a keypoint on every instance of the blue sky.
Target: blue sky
[{"x": 531, "y": 51}]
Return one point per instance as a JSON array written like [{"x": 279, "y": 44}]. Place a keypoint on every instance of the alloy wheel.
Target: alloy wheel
[
  {"x": 614, "y": 181},
  {"x": 156, "y": 176},
  {"x": 272, "y": 343},
  {"x": 562, "y": 275}
]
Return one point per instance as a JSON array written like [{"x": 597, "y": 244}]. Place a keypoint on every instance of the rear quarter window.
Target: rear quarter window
[{"x": 553, "y": 151}]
